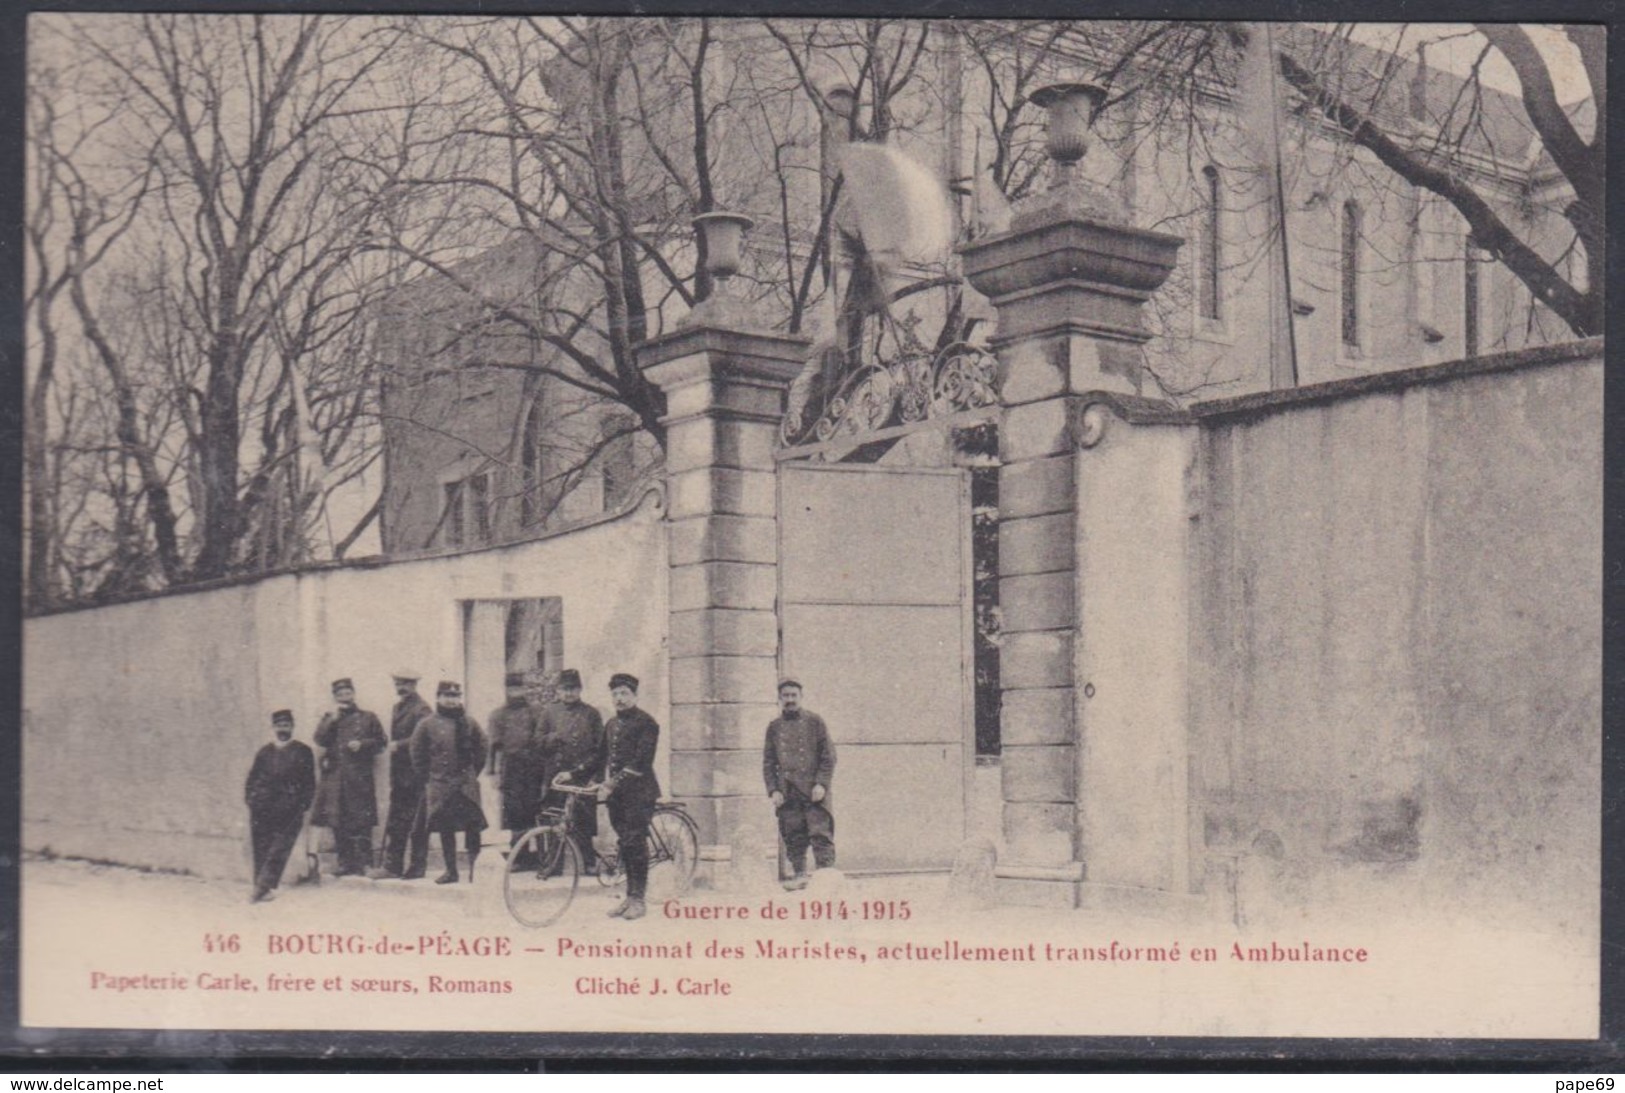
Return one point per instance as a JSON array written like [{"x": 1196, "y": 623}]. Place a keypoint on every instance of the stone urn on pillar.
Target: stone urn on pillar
[
  {"x": 1070, "y": 261},
  {"x": 1072, "y": 108},
  {"x": 722, "y": 236},
  {"x": 1069, "y": 281},
  {"x": 842, "y": 101}
]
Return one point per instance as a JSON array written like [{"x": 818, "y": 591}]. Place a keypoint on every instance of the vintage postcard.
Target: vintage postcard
[{"x": 779, "y": 525}]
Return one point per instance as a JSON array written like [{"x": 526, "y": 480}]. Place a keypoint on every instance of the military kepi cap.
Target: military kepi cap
[
  {"x": 623, "y": 679},
  {"x": 516, "y": 679},
  {"x": 343, "y": 683},
  {"x": 282, "y": 717},
  {"x": 449, "y": 689},
  {"x": 569, "y": 678},
  {"x": 407, "y": 674},
  {"x": 796, "y": 683}
]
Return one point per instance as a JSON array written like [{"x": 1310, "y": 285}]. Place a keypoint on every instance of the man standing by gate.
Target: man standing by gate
[
  {"x": 405, "y": 829},
  {"x": 798, "y": 764}
]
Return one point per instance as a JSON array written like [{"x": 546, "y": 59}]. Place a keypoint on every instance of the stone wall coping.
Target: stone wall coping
[
  {"x": 635, "y": 503},
  {"x": 1149, "y": 411},
  {"x": 1266, "y": 402}
]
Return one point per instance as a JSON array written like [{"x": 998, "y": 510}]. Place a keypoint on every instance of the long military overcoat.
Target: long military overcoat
[
  {"x": 403, "y": 722},
  {"x": 573, "y": 741},
  {"x": 516, "y": 749},
  {"x": 450, "y": 771},
  {"x": 348, "y": 799}
]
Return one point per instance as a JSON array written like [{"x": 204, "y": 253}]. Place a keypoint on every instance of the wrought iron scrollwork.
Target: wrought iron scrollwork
[{"x": 912, "y": 387}]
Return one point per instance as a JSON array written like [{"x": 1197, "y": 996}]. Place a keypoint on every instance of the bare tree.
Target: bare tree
[
  {"x": 215, "y": 246},
  {"x": 74, "y": 222},
  {"x": 241, "y": 119},
  {"x": 1449, "y": 146}
]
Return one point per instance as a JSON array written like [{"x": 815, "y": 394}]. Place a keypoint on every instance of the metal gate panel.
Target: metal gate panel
[
  {"x": 875, "y": 621},
  {"x": 890, "y": 674},
  {"x": 872, "y": 535}
]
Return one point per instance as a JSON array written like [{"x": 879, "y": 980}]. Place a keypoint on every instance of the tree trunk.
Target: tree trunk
[
  {"x": 41, "y": 517},
  {"x": 153, "y": 487},
  {"x": 218, "y": 463}
]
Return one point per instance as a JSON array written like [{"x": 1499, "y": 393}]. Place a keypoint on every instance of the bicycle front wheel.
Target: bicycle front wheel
[
  {"x": 544, "y": 867},
  {"x": 674, "y": 850}
]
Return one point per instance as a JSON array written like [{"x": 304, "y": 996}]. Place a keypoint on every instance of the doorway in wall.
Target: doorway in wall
[{"x": 512, "y": 635}]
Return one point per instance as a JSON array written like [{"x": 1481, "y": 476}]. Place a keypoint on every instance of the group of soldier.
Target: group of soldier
[{"x": 436, "y": 754}]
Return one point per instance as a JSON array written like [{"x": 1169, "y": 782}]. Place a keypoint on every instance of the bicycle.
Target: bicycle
[{"x": 545, "y": 867}]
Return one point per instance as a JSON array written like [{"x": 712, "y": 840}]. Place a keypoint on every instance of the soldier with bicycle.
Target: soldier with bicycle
[
  {"x": 630, "y": 788},
  {"x": 572, "y": 743}
]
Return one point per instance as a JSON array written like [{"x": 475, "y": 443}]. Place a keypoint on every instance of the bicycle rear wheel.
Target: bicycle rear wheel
[
  {"x": 540, "y": 881},
  {"x": 674, "y": 850}
]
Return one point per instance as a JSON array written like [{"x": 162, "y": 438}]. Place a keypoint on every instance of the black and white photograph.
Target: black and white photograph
[{"x": 656, "y": 524}]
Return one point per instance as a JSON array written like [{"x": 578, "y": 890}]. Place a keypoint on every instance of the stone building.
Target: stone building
[{"x": 479, "y": 448}]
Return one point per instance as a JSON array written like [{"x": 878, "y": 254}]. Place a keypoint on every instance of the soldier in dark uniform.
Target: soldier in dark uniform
[
  {"x": 516, "y": 758},
  {"x": 281, "y": 784},
  {"x": 448, "y": 750},
  {"x": 572, "y": 735},
  {"x": 798, "y": 764},
  {"x": 405, "y": 829},
  {"x": 630, "y": 788},
  {"x": 348, "y": 802}
]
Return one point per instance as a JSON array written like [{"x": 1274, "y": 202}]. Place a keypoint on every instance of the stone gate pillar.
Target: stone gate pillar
[
  {"x": 725, "y": 391},
  {"x": 1069, "y": 280}
]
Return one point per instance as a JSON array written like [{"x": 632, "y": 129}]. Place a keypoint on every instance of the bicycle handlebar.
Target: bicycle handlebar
[{"x": 560, "y": 784}]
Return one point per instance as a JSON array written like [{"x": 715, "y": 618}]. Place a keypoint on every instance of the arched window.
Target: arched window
[
  {"x": 1210, "y": 253},
  {"x": 1349, "y": 261},
  {"x": 533, "y": 464}
]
